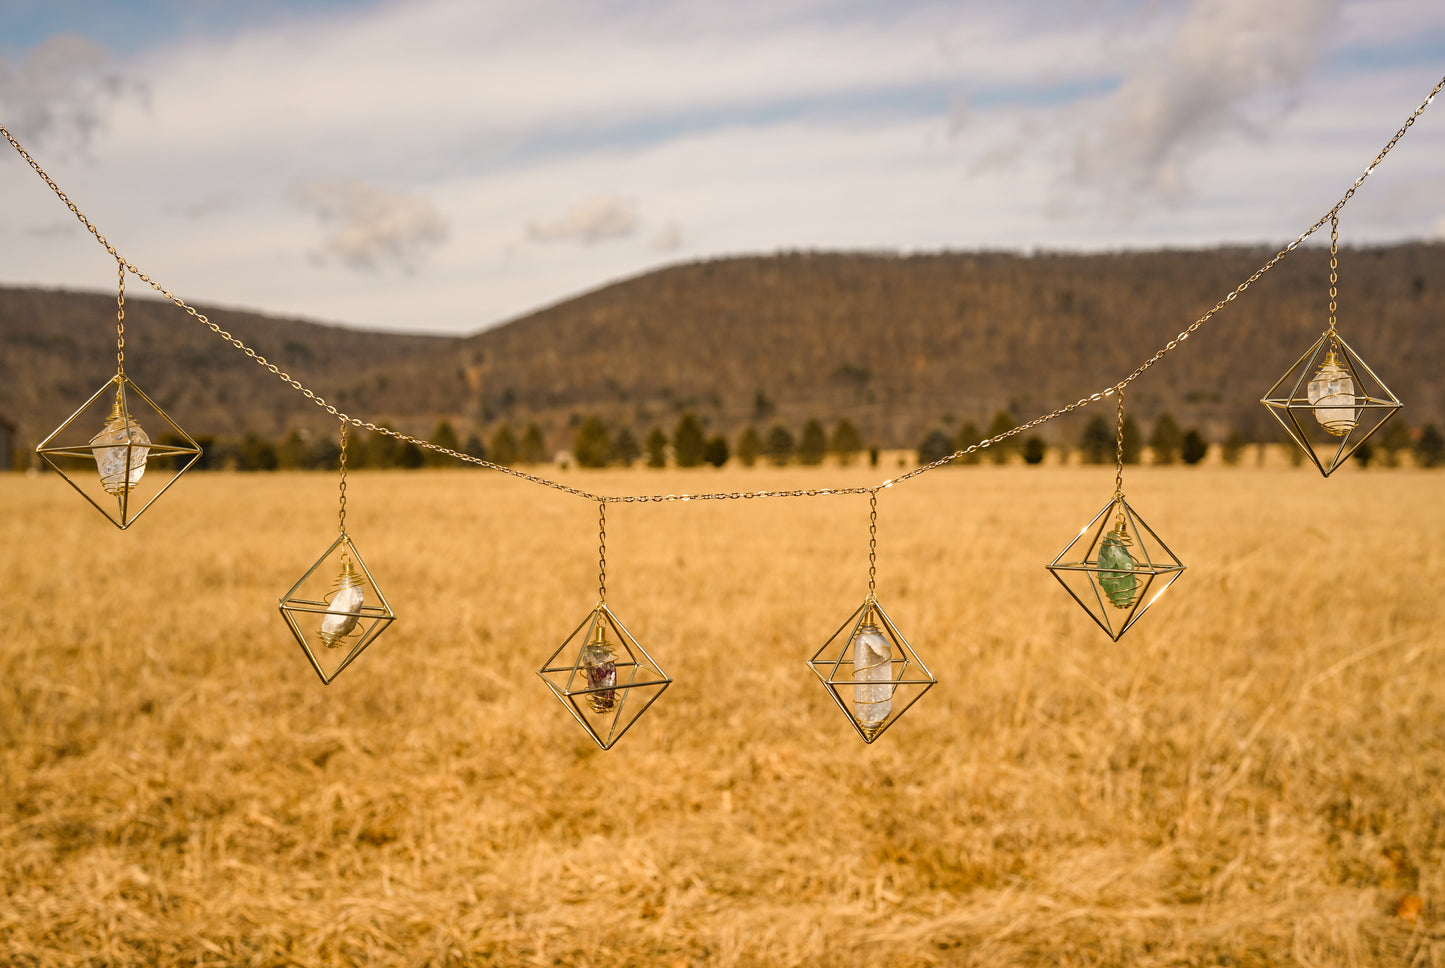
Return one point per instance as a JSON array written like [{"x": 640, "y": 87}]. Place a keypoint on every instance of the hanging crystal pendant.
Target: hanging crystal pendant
[
  {"x": 603, "y": 676},
  {"x": 335, "y": 610},
  {"x": 109, "y": 468},
  {"x": 870, "y": 671},
  {"x": 1116, "y": 568},
  {"x": 1330, "y": 402}
]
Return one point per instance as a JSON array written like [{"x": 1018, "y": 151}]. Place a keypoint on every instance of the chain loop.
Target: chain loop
[
  {"x": 341, "y": 514},
  {"x": 1119, "y": 448},
  {"x": 601, "y": 551},
  {"x": 120, "y": 320},
  {"x": 1330, "y": 216},
  {"x": 1334, "y": 266},
  {"x": 872, "y": 542}
]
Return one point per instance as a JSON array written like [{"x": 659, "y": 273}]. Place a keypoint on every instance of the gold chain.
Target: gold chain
[
  {"x": 872, "y": 541},
  {"x": 730, "y": 495},
  {"x": 120, "y": 321},
  {"x": 342, "y": 512},
  {"x": 1334, "y": 266},
  {"x": 601, "y": 552},
  {"x": 1119, "y": 448}
]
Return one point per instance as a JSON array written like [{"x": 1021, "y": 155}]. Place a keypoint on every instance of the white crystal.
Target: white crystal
[
  {"x": 1332, "y": 394},
  {"x": 120, "y": 437},
  {"x": 344, "y": 612},
  {"x": 873, "y": 675}
]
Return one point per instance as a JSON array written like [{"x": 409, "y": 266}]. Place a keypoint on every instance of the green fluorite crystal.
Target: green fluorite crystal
[{"x": 1116, "y": 572}]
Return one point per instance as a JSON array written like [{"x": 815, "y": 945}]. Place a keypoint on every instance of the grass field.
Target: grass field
[{"x": 1254, "y": 775}]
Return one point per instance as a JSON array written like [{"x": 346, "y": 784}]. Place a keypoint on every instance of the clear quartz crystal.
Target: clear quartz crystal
[
  {"x": 121, "y": 437},
  {"x": 345, "y": 606},
  {"x": 872, "y": 675},
  {"x": 599, "y": 662},
  {"x": 1332, "y": 394}
]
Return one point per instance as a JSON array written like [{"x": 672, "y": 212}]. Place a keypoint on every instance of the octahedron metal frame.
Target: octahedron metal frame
[
  {"x": 307, "y": 602},
  {"x": 61, "y": 454},
  {"x": 1077, "y": 567},
  {"x": 833, "y": 664},
  {"x": 1288, "y": 401},
  {"x": 639, "y": 679}
]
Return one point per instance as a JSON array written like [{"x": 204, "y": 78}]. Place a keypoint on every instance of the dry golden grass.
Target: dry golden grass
[{"x": 1252, "y": 776}]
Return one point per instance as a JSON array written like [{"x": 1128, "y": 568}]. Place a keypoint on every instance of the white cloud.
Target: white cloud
[
  {"x": 58, "y": 96},
  {"x": 1232, "y": 64},
  {"x": 595, "y": 220},
  {"x": 370, "y": 228}
]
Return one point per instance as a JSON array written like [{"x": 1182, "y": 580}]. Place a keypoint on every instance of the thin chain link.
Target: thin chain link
[
  {"x": 1119, "y": 448},
  {"x": 1334, "y": 267},
  {"x": 872, "y": 542},
  {"x": 733, "y": 495},
  {"x": 341, "y": 514},
  {"x": 601, "y": 551},
  {"x": 120, "y": 320}
]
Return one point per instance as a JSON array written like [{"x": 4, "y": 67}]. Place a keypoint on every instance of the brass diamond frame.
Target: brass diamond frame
[
  {"x": 57, "y": 454},
  {"x": 1154, "y": 565},
  {"x": 568, "y": 680},
  {"x": 375, "y": 612},
  {"x": 911, "y": 676},
  {"x": 1288, "y": 403}
]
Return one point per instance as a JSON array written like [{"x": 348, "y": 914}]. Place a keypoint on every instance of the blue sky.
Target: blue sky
[{"x": 443, "y": 166}]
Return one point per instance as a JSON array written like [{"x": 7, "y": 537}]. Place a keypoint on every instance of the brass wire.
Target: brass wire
[{"x": 1082, "y": 402}]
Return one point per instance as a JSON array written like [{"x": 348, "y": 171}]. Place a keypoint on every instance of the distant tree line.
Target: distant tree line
[
  {"x": 595, "y": 443},
  {"x": 1168, "y": 443}
]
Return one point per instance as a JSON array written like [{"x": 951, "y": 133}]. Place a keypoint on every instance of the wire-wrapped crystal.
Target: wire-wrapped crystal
[
  {"x": 120, "y": 451},
  {"x": 600, "y": 664},
  {"x": 873, "y": 674},
  {"x": 1116, "y": 570},
  {"x": 1332, "y": 395},
  {"x": 345, "y": 606}
]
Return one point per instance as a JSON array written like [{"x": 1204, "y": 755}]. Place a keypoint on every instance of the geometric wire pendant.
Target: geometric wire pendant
[
  {"x": 603, "y": 676},
  {"x": 1116, "y": 568},
  {"x": 336, "y": 610},
  {"x": 1330, "y": 401},
  {"x": 121, "y": 470},
  {"x": 870, "y": 671}
]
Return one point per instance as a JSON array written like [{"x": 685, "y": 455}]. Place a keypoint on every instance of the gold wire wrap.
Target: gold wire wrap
[{"x": 1082, "y": 402}]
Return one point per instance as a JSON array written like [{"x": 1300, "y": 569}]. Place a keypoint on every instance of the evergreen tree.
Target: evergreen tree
[
  {"x": 1166, "y": 440},
  {"x": 324, "y": 452},
  {"x": 504, "y": 446},
  {"x": 1430, "y": 448},
  {"x": 257, "y": 454},
  {"x": 626, "y": 448},
  {"x": 688, "y": 441},
  {"x": 715, "y": 451},
  {"x": 779, "y": 446},
  {"x": 442, "y": 436},
  {"x": 846, "y": 442},
  {"x": 1233, "y": 448},
  {"x": 1097, "y": 444},
  {"x": 409, "y": 456},
  {"x": 813, "y": 445},
  {"x": 1000, "y": 452},
  {"x": 749, "y": 446},
  {"x": 1364, "y": 453},
  {"x": 593, "y": 446},
  {"x": 656, "y": 448},
  {"x": 293, "y": 454},
  {"x": 1193, "y": 448},
  {"x": 533, "y": 449},
  {"x": 473, "y": 447},
  {"x": 935, "y": 446},
  {"x": 1394, "y": 438},
  {"x": 1034, "y": 450},
  {"x": 966, "y": 437}
]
